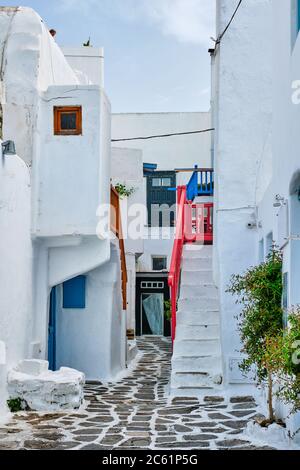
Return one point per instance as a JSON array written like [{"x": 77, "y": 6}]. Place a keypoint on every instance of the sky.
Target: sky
[{"x": 156, "y": 51}]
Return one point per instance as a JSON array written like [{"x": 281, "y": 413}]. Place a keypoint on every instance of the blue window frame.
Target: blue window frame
[{"x": 74, "y": 292}]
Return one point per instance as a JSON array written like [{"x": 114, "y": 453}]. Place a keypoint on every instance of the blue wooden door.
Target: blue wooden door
[
  {"x": 159, "y": 184},
  {"x": 52, "y": 331}
]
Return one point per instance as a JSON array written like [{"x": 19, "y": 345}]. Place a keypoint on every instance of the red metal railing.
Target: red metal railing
[
  {"x": 199, "y": 223},
  {"x": 194, "y": 223},
  {"x": 175, "y": 268}
]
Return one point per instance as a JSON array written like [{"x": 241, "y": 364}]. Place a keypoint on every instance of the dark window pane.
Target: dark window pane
[
  {"x": 159, "y": 264},
  {"x": 166, "y": 182},
  {"x": 156, "y": 181},
  {"x": 68, "y": 121}
]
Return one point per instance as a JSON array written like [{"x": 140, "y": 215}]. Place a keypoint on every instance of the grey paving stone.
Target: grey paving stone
[
  {"x": 234, "y": 424},
  {"x": 242, "y": 413},
  {"x": 213, "y": 399},
  {"x": 136, "y": 442},
  {"x": 111, "y": 440},
  {"x": 184, "y": 445},
  {"x": 180, "y": 428},
  {"x": 200, "y": 437},
  {"x": 95, "y": 447},
  {"x": 242, "y": 399},
  {"x": 120, "y": 416},
  {"x": 217, "y": 416},
  {"x": 232, "y": 443},
  {"x": 35, "y": 444}
]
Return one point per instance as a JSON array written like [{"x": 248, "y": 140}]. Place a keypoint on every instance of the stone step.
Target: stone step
[
  {"x": 206, "y": 290},
  {"x": 198, "y": 304},
  {"x": 197, "y": 251},
  {"x": 197, "y": 332},
  {"x": 191, "y": 347},
  {"x": 196, "y": 264},
  {"x": 196, "y": 363},
  {"x": 197, "y": 278},
  {"x": 204, "y": 317},
  {"x": 195, "y": 379}
]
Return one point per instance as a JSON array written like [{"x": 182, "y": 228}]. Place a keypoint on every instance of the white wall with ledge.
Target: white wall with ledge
[
  {"x": 16, "y": 267},
  {"x": 72, "y": 172},
  {"x": 32, "y": 61},
  {"x": 89, "y": 339},
  {"x": 87, "y": 62},
  {"x": 51, "y": 204},
  {"x": 242, "y": 109}
]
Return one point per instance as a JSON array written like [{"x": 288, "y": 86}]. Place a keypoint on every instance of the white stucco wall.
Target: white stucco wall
[
  {"x": 127, "y": 168},
  {"x": 32, "y": 61},
  {"x": 242, "y": 113},
  {"x": 283, "y": 222},
  {"x": 93, "y": 339},
  {"x": 69, "y": 178},
  {"x": 88, "y": 62},
  {"x": 72, "y": 173},
  {"x": 16, "y": 256}
]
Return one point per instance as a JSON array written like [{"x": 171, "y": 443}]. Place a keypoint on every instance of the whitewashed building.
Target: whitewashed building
[
  {"x": 60, "y": 283},
  {"x": 149, "y": 166},
  {"x": 255, "y": 108}
]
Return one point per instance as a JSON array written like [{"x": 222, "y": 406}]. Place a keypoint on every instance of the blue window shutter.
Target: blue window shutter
[{"x": 74, "y": 292}]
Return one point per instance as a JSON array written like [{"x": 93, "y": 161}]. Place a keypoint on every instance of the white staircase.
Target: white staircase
[{"x": 196, "y": 361}]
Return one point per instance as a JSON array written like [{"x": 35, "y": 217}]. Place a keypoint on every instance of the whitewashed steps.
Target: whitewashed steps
[
  {"x": 190, "y": 278},
  {"x": 196, "y": 332},
  {"x": 196, "y": 361},
  {"x": 196, "y": 264},
  {"x": 194, "y": 304},
  {"x": 196, "y": 379},
  {"x": 205, "y": 290},
  {"x": 197, "y": 347},
  {"x": 203, "y": 317}
]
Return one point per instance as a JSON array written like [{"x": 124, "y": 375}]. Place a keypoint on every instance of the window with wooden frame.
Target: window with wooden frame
[{"x": 67, "y": 120}]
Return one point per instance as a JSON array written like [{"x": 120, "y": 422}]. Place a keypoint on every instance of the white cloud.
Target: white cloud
[{"x": 189, "y": 21}]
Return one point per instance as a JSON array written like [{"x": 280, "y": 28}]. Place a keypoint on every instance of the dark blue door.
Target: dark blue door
[
  {"x": 159, "y": 184},
  {"x": 52, "y": 331}
]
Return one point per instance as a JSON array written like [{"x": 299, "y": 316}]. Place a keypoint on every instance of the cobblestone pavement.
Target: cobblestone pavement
[{"x": 136, "y": 413}]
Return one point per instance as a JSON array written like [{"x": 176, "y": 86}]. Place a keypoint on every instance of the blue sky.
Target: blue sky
[{"x": 156, "y": 55}]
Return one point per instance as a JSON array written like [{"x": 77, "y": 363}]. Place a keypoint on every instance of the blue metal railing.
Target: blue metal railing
[{"x": 201, "y": 183}]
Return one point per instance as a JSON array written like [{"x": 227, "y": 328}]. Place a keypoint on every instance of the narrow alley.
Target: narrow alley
[{"x": 136, "y": 413}]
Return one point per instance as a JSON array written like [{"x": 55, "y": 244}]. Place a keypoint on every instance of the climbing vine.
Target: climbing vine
[{"x": 123, "y": 191}]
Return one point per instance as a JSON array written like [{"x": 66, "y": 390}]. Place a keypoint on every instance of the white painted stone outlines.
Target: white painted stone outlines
[{"x": 44, "y": 390}]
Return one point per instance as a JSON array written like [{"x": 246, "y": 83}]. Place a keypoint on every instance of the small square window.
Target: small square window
[
  {"x": 74, "y": 292},
  {"x": 67, "y": 120},
  {"x": 166, "y": 182},
  {"x": 159, "y": 263},
  {"x": 156, "y": 181}
]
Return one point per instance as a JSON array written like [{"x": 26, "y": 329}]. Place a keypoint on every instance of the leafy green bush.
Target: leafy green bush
[
  {"x": 15, "y": 404},
  {"x": 283, "y": 355},
  {"x": 259, "y": 291}
]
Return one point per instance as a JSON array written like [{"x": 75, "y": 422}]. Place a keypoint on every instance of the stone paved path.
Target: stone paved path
[{"x": 136, "y": 413}]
